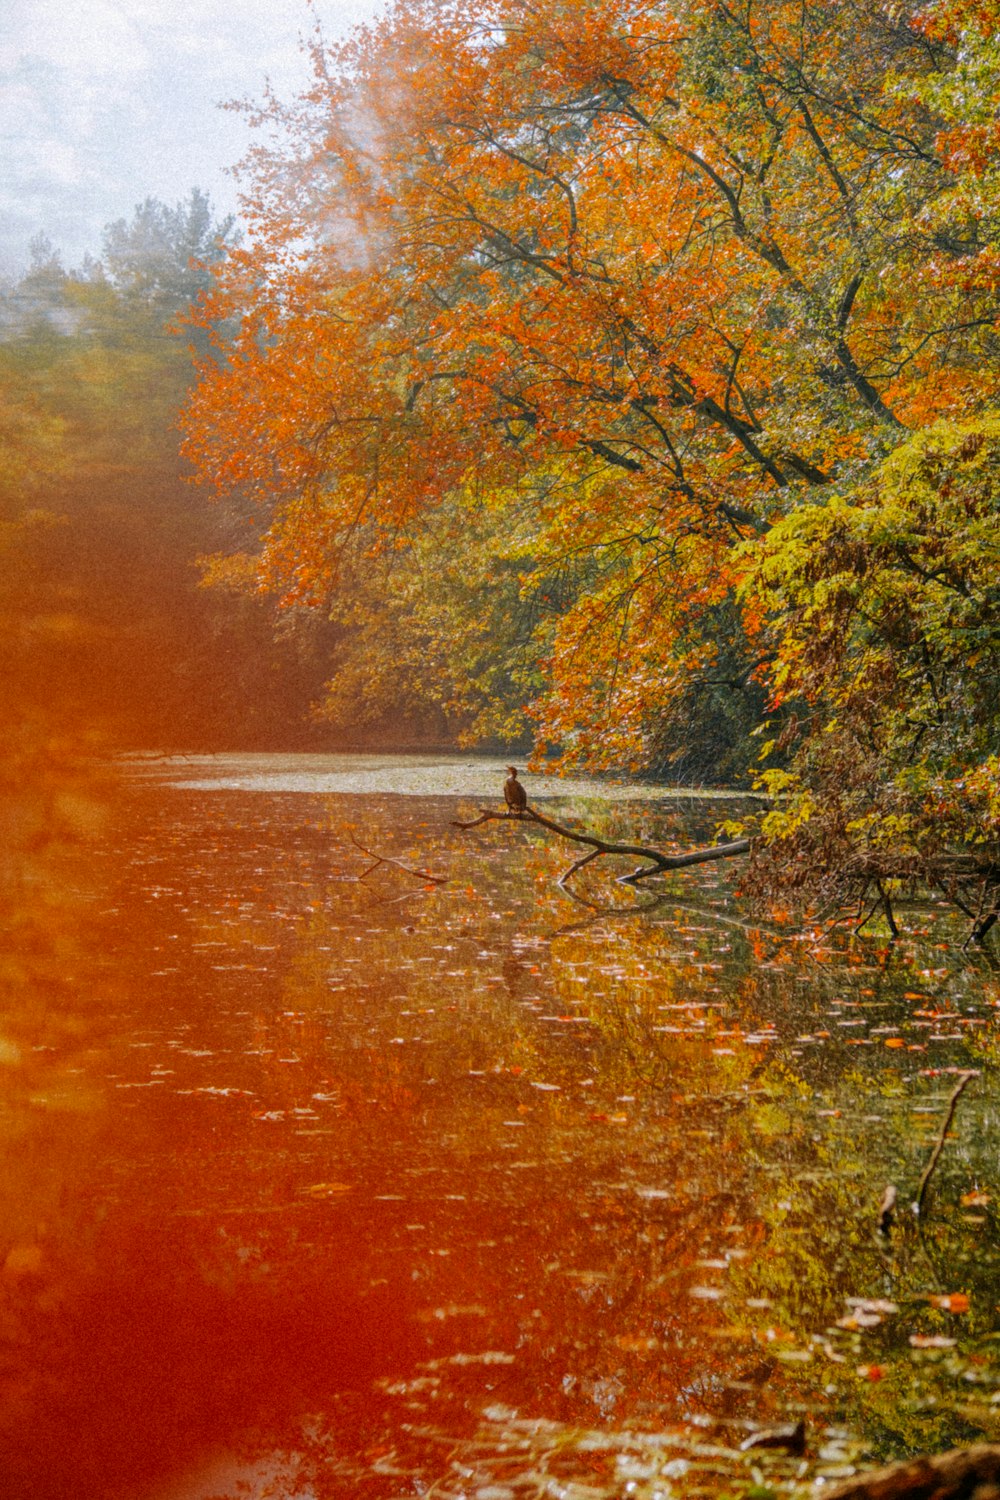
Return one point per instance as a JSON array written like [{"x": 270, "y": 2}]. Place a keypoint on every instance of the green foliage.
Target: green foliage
[
  {"x": 162, "y": 257},
  {"x": 102, "y": 622},
  {"x": 439, "y": 640},
  {"x": 883, "y": 612}
]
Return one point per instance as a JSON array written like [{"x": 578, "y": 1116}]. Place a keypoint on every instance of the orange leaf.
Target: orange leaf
[{"x": 953, "y": 1302}]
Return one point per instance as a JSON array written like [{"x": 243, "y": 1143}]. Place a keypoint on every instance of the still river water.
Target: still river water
[{"x": 328, "y": 1180}]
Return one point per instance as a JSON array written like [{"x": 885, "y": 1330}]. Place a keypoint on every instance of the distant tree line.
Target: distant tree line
[{"x": 106, "y": 624}]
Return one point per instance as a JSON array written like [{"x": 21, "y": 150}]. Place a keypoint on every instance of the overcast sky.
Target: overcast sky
[{"x": 106, "y": 102}]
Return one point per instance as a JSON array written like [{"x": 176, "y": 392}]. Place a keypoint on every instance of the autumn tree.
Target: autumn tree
[
  {"x": 879, "y": 607},
  {"x": 883, "y": 611},
  {"x": 639, "y": 280}
]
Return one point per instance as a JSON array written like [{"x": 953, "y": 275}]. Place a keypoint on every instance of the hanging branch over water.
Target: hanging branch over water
[{"x": 658, "y": 861}]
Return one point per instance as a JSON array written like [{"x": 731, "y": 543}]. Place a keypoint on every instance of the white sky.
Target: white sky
[{"x": 106, "y": 102}]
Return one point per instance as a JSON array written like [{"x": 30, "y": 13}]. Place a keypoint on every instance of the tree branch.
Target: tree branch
[
  {"x": 386, "y": 859},
  {"x": 964, "y": 1079},
  {"x": 659, "y": 862}
]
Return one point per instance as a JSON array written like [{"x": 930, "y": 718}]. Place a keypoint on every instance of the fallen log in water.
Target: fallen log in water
[{"x": 962, "y": 1474}]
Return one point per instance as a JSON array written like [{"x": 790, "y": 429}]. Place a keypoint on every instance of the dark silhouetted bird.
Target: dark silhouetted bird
[{"x": 514, "y": 794}]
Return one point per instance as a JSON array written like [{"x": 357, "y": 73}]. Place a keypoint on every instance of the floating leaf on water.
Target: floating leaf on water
[
  {"x": 488, "y": 1357},
  {"x": 953, "y": 1302},
  {"x": 931, "y": 1341},
  {"x": 676, "y": 1468},
  {"x": 499, "y": 1413},
  {"x": 25, "y": 1260},
  {"x": 452, "y": 1310},
  {"x": 636, "y": 1343}
]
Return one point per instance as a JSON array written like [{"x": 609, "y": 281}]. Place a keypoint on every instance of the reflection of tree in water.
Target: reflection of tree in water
[
  {"x": 706, "y": 1050},
  {"x": 607, "y": 1256},
  {"x": 56, "y": 993},
  {"x": 476, "y": 1182}
]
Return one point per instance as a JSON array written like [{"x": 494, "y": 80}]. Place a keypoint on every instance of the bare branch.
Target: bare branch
[
  {"x": 386, "y": 859},
  {"x": 658, "y": 860}
]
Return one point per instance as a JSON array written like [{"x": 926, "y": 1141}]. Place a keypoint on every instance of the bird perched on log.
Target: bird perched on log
[{"x": 515, "y": 796}]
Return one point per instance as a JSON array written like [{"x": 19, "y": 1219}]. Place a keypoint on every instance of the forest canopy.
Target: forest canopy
[{"x": 622, "y": 375}]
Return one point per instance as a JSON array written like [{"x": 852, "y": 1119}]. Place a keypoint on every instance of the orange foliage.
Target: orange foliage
[{"x": 646, "y": 275}]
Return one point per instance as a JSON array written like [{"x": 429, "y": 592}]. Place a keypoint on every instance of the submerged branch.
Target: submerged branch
[
  {"x": 386, "y": 859},
  {"x": 658, "y": 860},
  {"x": 956, "y": 1094}
]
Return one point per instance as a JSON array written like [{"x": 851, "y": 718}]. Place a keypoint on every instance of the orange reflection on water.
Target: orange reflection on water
[{"x": 368, "y": 1171}]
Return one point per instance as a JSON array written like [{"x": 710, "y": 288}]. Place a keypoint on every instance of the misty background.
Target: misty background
[
  {"x": 104, "y": 103},
  {"x": 116, "y": 193}
]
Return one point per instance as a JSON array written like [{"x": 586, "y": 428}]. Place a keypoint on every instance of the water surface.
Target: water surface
[{"x": 328, "y": 1178}]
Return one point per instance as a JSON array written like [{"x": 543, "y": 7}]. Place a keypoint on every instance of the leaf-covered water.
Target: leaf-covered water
[{"x": 327, "y": 1180}]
